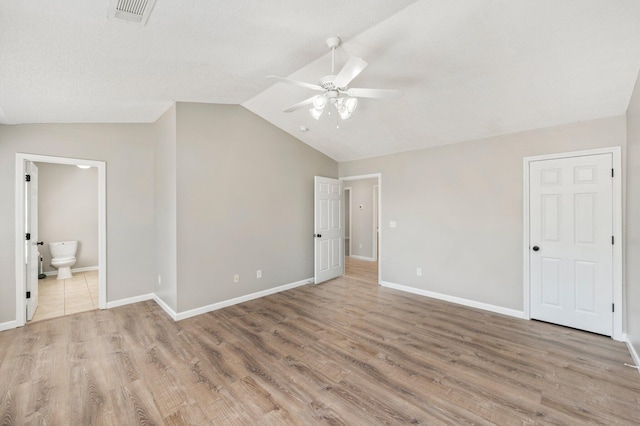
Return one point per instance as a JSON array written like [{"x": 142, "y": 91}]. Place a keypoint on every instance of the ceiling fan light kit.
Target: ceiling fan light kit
[{"x": 335, "y": 90}]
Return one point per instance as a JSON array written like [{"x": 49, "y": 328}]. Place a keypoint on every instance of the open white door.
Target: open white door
[
  {"x": 571, "y": 253},
  {"x": 329, "y": 232},
  {"x": 31, "y": 241}
]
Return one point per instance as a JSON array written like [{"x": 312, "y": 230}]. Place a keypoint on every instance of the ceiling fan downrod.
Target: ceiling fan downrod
[{"x": 333, "y": 42}]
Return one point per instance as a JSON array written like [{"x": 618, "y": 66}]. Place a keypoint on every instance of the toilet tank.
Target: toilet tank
[{"x": 63, "y": 249}]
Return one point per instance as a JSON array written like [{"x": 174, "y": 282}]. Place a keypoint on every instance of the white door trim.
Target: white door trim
[
  {"x": 21, "y": 160},
  {"x": 374, "y": 195},
  {"x": 347, "y": 229},
  {"x": 618, "y": 297},
  {"x": 379, "y": 177}
]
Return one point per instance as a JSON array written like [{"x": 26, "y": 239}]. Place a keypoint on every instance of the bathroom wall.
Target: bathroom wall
[{"x": 68, "y": 210}]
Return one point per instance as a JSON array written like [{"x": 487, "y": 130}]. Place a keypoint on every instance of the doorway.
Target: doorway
[
  {"x": 573, "y": 246},
  {"x": 27, "y": 284},
  {"x": 362, "y": 227}
]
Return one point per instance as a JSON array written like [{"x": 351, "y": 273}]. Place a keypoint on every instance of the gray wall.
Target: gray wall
[
  {"x": 67, "y": 211},
  {"x": 633, "y": 219},
  {"x": 362, "y": 220},
  {"x": 128, "y": 152},
  {"x": 165, "y": 209},
  {"x": 458, "y": 209},
  {"x": 244, "y": 202}
]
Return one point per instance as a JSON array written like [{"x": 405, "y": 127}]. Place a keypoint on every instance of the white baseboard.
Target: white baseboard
[
  {"x": 130, "y": 300},
  {"x": 632, "y": 351},
  {"x": 8, "y": 325},
  {"x": 454, "y": 299},
  {"x": 165, "y": 307},
  {"x": 235, "y": 301},
  {"x": 83, "y": 269},
  {"x": 370, "y": 259}
]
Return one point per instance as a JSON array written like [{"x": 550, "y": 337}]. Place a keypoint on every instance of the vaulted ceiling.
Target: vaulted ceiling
[{"x": 468, "y": 68}]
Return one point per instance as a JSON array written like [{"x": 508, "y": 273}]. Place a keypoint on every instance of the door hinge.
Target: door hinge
[
  {"x": 28, "y": 295},
  {"x": 612, "y": 173},
  {"x": 613, "y": 307},
  {"x": 27, "y": 178},
  {"x": 27, "y": 236},
  {"x": 612, "y": 240}
]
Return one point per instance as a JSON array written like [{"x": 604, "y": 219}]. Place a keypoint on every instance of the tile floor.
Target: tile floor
[{"x": 57, "y": 298}]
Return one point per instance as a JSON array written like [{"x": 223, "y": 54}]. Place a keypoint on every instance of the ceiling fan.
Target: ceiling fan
[{"x": 335, "y": 90}]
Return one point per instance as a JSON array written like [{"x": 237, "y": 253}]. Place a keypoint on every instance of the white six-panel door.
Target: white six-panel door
[
  {"x": 571, "y": 252},
  {"x": 329, "y": 233}
]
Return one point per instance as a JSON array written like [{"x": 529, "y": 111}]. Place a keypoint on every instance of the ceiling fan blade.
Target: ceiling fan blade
[
  {"x": 374, "y": 93},
  {"x": 296, "y": 83},
  {"x": 352, "y": 68},
  {"x": 300, "y": 104}
]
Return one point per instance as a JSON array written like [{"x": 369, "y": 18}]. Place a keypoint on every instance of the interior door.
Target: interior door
[
  {"x": 31, "y": 247},
  {"x": 571, "y": 253},
  {"x": 328, "y": 219}
]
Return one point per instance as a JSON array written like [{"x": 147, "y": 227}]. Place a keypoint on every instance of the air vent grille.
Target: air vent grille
[{"x": 137, "y": 11}]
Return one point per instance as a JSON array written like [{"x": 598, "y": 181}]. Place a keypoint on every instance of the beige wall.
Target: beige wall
[
  {"x": 68, "y": 211},
  {"x": 127, "y": 150},
  {"x": 458, "y": 209},
  {"x": 362, "y": 219},
  {"x": 165, "y": 209},
  {"x": 633, "y": 219},
  {"x": 244, "y": 202}
]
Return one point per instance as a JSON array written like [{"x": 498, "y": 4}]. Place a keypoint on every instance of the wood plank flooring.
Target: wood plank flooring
[
  {"x": 343, "y": 352},
  {"x": 361, "y": 269}
]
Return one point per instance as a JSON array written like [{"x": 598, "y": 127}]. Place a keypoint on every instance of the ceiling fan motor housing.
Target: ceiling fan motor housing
[{"x": 326, "y": 82}]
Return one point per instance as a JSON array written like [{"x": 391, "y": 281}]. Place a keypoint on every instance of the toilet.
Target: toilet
[{"x": 63, "y": 257}]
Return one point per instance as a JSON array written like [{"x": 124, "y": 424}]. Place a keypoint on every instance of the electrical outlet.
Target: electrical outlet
[
  {"x": 419, "y": 272},
  {"x": 159, "y": 279},
  {"x": 360, "y": 245},
  {"x": 259, "y": 273},
  {"x": 392, "y": 224},
  {"x": 236, "y": 278}
]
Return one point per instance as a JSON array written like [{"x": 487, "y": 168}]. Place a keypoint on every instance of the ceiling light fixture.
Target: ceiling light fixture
[
  {"x": 345, "y": 105},
  {"x": 316, "y": 113}
]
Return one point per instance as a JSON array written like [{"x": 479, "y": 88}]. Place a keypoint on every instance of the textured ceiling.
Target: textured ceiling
[{"x": 468, "y": 68}]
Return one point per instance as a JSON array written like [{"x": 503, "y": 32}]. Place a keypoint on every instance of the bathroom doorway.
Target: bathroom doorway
[{"x": 83, "y": 202}]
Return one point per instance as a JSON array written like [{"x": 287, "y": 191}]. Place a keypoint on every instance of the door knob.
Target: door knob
[
  {"x": 317, "y": 235},
  {"x": 536, "y": 248},
  {"x": 39, "y": 243}
]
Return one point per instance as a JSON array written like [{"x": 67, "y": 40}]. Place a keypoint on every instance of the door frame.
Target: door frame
[
  {"x": 21, "y": 160},
  {"x": 618, "y": 296},
  {"x": 379, "y": 177},
  {"x": 348, "y": 228},
  {"x": 376, "y": 220}
]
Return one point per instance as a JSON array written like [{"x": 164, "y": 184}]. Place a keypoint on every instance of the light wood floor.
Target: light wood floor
[
  {"x": 361, "y": 269},
  {"x": 342, "y": 352},
  {"x": 57, "y": 298}
]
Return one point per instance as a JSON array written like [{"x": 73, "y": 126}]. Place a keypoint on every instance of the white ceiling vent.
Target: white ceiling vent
[{"x": 136, "y": 11}]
